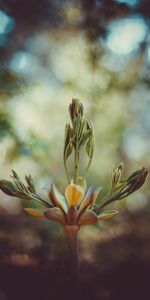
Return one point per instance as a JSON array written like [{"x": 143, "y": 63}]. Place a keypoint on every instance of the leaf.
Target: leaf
[
  {"x": 68, "y": 144},
  {"x": 106, "y": 215},
  {"x": 88, "y": 218},
  {"x": 68, "y": 151},
  {"x": 55, "y": 214},
  {"x": 90, "y": 147},
  {"x": 34, "y": 212},
  {"x": 84, "y": 138}
]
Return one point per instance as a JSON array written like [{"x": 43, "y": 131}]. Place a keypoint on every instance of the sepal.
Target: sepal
[
  {"x": 55, "y": 214},
  {"x": 58, "y": 199},
  {"x": 88, "y": 218},
  {"x": 34, "y": 212},
  {"x": 106, "y": 215}
]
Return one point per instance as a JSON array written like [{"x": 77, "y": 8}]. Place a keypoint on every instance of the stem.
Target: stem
[
  {"x": 101, "y": 204},
  {"x": 86, "y": 170},
  {"x": 72, "y": 231},
  {"x": 66, "y": 170},
  {"x": 76, "y": 165},
  {"x": 39, "y": 199}
]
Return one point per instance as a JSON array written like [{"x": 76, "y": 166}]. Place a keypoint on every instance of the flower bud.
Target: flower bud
[
  {"x": 75, "y": 108},
  {"x": 7, "y": 187}
]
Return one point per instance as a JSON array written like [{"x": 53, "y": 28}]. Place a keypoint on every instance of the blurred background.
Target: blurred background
[{"x": 50, "y": 52}]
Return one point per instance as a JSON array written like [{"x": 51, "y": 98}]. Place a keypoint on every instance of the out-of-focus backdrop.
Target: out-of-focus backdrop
[{"x": 50, "y": 52}]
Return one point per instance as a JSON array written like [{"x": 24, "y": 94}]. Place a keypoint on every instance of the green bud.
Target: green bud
[
  {"x": 7, "y": 187},
  {"x": 68, "y": 151},
  {"x": 82, "y": 182},
  {"x": 116, "y": 178},
  {"x": 75, "y": 108},
  {"x": 127, "y": 187},
  {"x": 134, "y": 182},
  {"x": 90, "y": 144},
  {"x": 68, "y": 143},
  {"x": 68, "y": 134},
  {"x": 15, "y": 175},
  {"x": 30, "y": 182}
]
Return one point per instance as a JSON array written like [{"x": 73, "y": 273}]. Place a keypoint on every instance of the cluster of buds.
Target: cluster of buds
[
  {"x": 120, "y": 188},
  {"x": 78, "y": 133},
  {"x": 78, "y": 206}
]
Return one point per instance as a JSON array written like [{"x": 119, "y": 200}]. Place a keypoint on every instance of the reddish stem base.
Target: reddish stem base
[{"x": 72, "y": 231}]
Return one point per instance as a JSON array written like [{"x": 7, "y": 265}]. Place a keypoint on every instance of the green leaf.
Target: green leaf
[{"x": 84, "y": 139}]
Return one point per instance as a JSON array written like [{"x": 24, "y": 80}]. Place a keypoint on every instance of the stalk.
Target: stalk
[
  {"x": 76, "y": 163},
  {"x": 87, "y": 168},
  {"x": 67, "y": 173},
  {"x": 72, "y": 231}
]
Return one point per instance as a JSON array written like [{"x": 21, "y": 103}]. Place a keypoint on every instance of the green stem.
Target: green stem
[
  {"x": 76, "y": 163},
  {"x": 87, "y": 168},
  {"x": 103, "y": 203},
  {"x": 67, "y": 173},
  {"x": 39, "y": 199}
]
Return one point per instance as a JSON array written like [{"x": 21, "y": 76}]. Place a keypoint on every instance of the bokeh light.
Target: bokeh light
[
  {"x": 129, "y": 2},
  {"x": 23, "y": 62},
  {"x": 6, "y": 25},
  {"x": 125, "y": 35}
]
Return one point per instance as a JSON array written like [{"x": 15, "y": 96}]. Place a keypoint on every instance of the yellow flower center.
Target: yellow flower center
[{"x": 74, "y": 194}]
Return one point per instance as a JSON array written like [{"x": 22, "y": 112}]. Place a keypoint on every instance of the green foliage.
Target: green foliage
[{"x": 17, "y": 188}]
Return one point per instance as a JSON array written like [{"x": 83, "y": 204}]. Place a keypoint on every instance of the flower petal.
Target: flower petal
[
  {"x": 106, "y": 215},
  {"x": 34, "y": 212},
  {"x": 74, "y": 194},
  {"x": 55, "y": 214},
  {"x": 94, "y": 197},
  {"x": 89, "y": 217},
  {"x": 58, "y": 199},
  {"x": 86, "y": 201}
]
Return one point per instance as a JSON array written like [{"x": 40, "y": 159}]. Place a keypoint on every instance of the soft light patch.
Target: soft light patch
[{"x": 125, "y": 35}]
